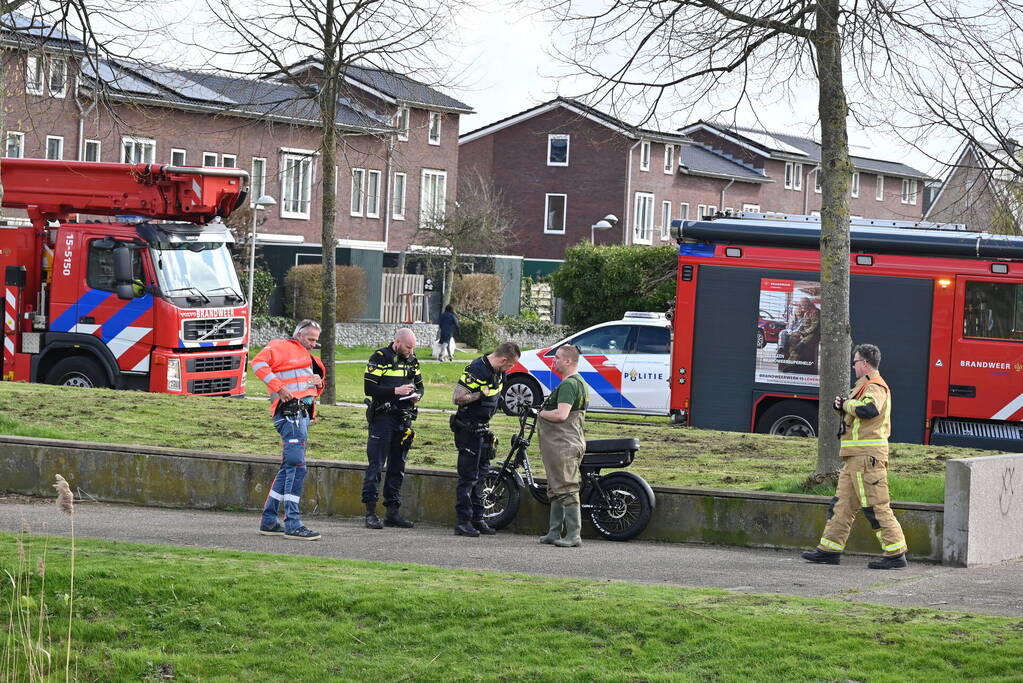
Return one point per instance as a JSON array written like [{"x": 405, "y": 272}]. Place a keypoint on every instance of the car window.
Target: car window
[
  {"x": 604, "y": 340},
  {"x": 653, "y": 340}
]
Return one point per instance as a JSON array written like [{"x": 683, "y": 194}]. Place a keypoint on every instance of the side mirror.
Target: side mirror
[{"x": 123, "y": 275}]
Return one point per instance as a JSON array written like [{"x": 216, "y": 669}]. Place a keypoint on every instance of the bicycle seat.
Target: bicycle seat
[{"x": 612, "y": 445}]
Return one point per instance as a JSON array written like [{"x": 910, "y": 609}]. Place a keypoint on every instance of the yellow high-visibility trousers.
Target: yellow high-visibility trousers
[{"x": 862, "y": 484}]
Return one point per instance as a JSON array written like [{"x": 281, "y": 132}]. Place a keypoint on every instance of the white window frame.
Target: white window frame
[
  {"x": 430, "y": 137},
  {"x": 232, "y": 157},
  {"x": 644, "y": 156},
  {"x": 134, "y": 141},
  {"x": 46, "y": 150},
  {"x": 547, "y": 230},
  {"x": 398, "y": 204},
  {"x": 20, "y": 137},
  {"x": 909, "y": 191},
  {"x": 643, "y": 225},
  {"x": 879, "y": 188},
  {"x": 373, "y": 201},
  {"x": 701, "y": 211},
  {"x": 208, "y": 156},
  {"x": 789, "y": 172},
  {"x": 683, "y": 211},
  {"x": 711, "y": 209},
  {"x": 424, "y": 198},
  {"x": 401, "y": 122},
  {"x": 258, "y": 180},
  {"x": 99, "y": 150},
  {"x": 797, "y": 177},
  {"x": 358, "y": 197},
  {"x": 56, "y": 92},
  {"x": 854, "y": 184},
  {"x": 568, "y": 148},
  {"x": 34, "y": 67},
  {"x": 182, "y": 152},
  {"x": 750, "y": 208},
  {"x": 665, "y": 220},
  {"x": 817, "y": 180},
  {"x": 669, "y": 159},
  {"x": 301, "y": 158}
]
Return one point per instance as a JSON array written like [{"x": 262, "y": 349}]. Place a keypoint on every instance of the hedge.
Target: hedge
[
  {"x": 263, "y": 288},
  {"x": 601, "y": 283},
  {"x": 478, "y": 294},
  {"x": 303, "y": 287}
]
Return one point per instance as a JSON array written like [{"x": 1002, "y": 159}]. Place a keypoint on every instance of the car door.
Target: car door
[
  {"x": 646, "y": 370},
  {"x": 603, "y": 352}
]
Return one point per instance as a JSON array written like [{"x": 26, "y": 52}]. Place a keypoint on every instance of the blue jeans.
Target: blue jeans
[
  {"x": 290, "y": 479},
  {"x": 390, "y": 440},
  {"x": 474, "y": 455}
]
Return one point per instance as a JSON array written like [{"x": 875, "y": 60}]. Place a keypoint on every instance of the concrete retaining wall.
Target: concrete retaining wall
[
  {"x": 983, "y": 510},
  {"x": 178, "y": 478}
]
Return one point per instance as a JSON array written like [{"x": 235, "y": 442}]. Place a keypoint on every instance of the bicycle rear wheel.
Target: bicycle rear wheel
[{"x": 625, "y": 513}]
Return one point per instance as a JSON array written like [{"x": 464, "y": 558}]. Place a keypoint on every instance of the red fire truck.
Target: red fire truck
[
  {"x": 944, "y": 305},
  {"x": 153, "y": 305}
]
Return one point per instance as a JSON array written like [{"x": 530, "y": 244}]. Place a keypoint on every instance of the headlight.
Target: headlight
[{"x": 173, "y": 374}]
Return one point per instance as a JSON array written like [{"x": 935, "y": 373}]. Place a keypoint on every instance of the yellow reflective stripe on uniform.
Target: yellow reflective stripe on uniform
[
  {"x": 374, "y": 370},
  {"x": 867, "y": 442},
  {"x": 894, "y": 546},
  {"x": 831, "y": 544},
  {"x": 862, "y": 490}
]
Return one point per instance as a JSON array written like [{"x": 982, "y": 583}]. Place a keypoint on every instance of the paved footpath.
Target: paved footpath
[{"x": 994, "y": 590}]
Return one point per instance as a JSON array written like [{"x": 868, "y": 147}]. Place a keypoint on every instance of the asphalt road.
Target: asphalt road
[{"x": 992, "y": 590}]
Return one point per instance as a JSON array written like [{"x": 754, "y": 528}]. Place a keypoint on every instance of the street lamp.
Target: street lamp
[
  {"x": 605, "y": 223},
  {"x": 261, "y": 203}
]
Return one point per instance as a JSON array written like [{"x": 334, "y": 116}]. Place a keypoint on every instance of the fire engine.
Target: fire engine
[
  {"x": 944, "y": 305},
  {"x": 153, "y": 305}
]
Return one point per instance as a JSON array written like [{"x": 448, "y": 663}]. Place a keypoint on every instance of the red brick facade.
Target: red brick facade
[{"x": 198, "y": 130}]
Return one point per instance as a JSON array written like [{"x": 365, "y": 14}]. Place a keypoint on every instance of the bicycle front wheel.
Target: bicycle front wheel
[{"x": 501, "y": 498}]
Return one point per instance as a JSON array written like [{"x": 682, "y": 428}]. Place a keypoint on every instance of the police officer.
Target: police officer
[
  {"x": 863, "y": 480},
  {"x": 476, "y": 396},
  {"x": 294, "y": 378},
  {"x": 394, "y": 385}
]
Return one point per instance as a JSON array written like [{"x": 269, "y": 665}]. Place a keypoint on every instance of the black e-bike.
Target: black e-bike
[{"x": 619, "y": 505}]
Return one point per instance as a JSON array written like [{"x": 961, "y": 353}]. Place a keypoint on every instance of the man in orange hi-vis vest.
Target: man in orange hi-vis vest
[
  {"x": 863, "y": 481},
  {"x": 295, "y": 378}
]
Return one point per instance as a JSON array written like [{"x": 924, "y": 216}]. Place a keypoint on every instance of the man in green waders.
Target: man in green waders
[{"x": 560, "y": 427}]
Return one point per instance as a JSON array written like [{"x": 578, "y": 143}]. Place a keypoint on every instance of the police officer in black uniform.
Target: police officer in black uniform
[
  {"x": 476, "y": 396},
  {"x": 394, "y": 386}
]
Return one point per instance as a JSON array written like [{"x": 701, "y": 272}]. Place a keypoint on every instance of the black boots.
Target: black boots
[
  {"x": 481, "y": 526},
  {"x": 466, "y": 529},
  {"x": 822, "y": 557},
  {"x": 392, "y": 518},
  {"x": 372, "y": 521},
  {"x": 889, "y": 562}
]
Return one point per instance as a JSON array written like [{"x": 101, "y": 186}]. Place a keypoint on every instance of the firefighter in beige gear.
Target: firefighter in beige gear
[{"x": 863, "y": 480}]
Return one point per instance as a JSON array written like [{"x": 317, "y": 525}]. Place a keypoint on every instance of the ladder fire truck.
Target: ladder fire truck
[
  {"x": 944, "y": 305},
  {"x": 154, "y": 305}
]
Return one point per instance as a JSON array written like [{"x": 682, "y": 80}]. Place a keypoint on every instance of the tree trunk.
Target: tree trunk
[
  {"x": 834, "y": 249},
  {"x": 449, "y": 279},
  {"x": 328, "y": 109}
]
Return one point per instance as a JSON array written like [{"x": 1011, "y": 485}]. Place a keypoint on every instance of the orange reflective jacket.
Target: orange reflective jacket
[{"x": 285, "y": 363}]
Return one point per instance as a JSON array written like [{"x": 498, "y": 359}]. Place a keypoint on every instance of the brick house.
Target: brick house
[
  {"x": 879, "y": 189},
  {"x": 980, "y": 192},
  {"x": 562, "y": 166},
  {"x": 397, "y": 159}
]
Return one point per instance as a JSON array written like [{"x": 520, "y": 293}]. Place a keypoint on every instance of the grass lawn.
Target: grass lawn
[
  {"x": 668, "y": 455},
  {"x": 148, "y": 613}
]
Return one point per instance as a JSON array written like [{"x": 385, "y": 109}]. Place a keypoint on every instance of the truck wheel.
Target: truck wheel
[
  {"x": 77, "y": 372},
  {"x": 520, "y": 393},
  {"x": 789, "y": 418}
]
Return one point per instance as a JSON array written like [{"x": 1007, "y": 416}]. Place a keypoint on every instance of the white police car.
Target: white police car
[{"x": 625, "y": 364}]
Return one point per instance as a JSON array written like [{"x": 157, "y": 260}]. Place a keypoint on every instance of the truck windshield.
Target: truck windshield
[{"x": 205, "y": 267}]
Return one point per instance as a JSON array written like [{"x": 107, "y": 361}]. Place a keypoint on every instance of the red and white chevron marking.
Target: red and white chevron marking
[{"x": 10, "y": 327}]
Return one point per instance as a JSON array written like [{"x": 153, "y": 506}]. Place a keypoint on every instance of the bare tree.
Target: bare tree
[
  {"x": 478, "y": 223},
  {"x": 397, "y": 35},
  {"x": 669, "y": 55}
]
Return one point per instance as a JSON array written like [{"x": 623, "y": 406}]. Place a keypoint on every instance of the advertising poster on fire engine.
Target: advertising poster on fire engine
[{"x": 788, "y": 332}]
